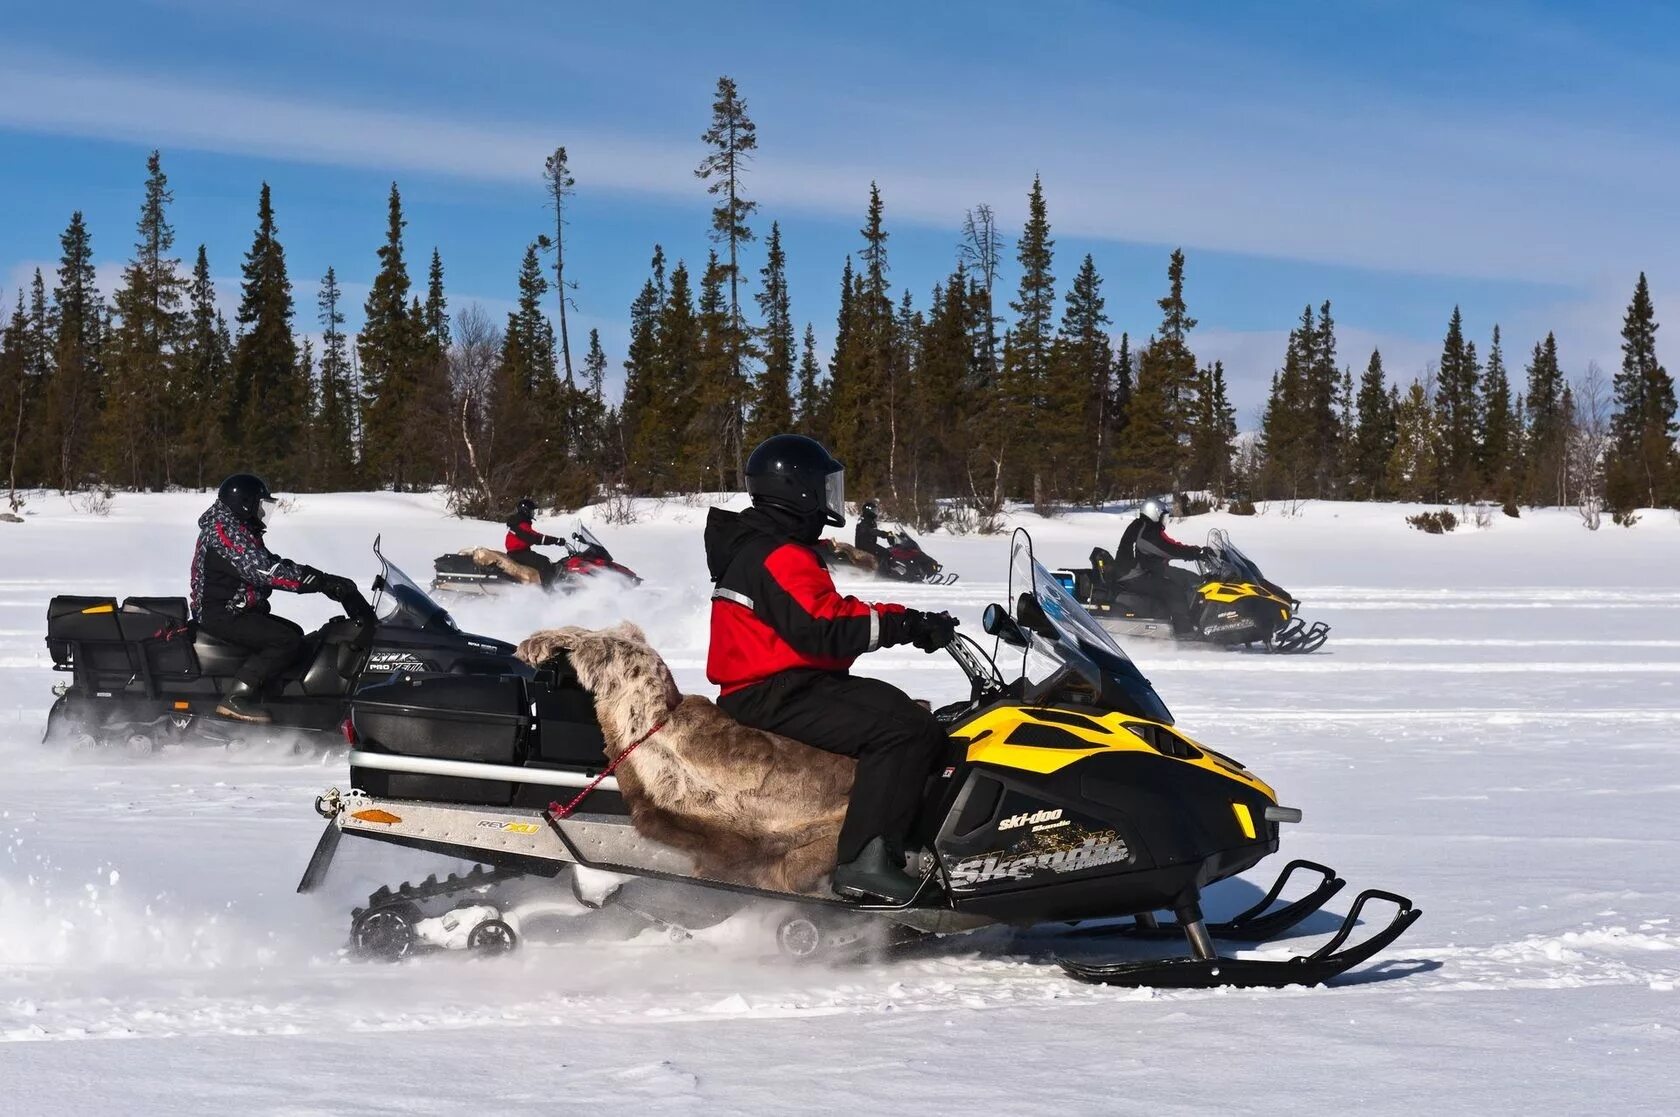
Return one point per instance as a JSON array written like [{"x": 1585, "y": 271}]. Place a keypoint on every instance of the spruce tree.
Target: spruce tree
[
  {"x": 772, "y": 404},
  {"x": 390, "y": 350},
  {"x": 204, "y": 390},
  {"x": 558, "y": 180},
  {"x": 1116, "y": 412},
  {"x": 595, "y": 367},
  {"x": 1323, "y": 433},
  {"x": 274, "y": 408},
  {"x": 14, "y": 352},
  {"x": 1375, "y": 436},
  {"x": 1642, "y": 430},
  {"x": 1077, "y": 394},
  {"x": 520, "y": 458},
  {"x": 656, "y": 445},
  {"x": 1213, "y": 432},
  {"x": 1026, "y": 366},
  {"x": 1290, "y": 426},
  {"x": 733, "y": 138},
  {"x": 1413, "y": 466},
  {"x": 141, "y": 425},
  {"x": 812, "y": 417},
  {"x": 1457, "y": 404},
  {"x": 335, "y": 422},
  {"x": 76, "y": 390},
  {"x": 713, "y": 419},
  {"x": 37, "y": 455},
  {"x": 641, "y": 369},
  {"x": 1157, "y": 433},
  {"x": 1547, "y": 434},
  {"x": 1500, "y": 435}
]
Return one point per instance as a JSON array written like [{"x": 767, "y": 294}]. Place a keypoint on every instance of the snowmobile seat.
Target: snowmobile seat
[{"x": 217, "y": 657}]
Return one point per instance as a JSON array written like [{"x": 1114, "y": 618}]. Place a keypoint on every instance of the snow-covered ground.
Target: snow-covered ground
[{"x": 1491, "y": 730}]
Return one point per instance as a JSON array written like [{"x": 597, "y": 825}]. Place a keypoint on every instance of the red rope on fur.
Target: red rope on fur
[{"x": 556, "y": 811}]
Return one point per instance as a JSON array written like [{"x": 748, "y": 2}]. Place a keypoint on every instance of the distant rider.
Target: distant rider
[
  {"x": 521, "y": 537},
  {"x": 869, "y": 532},
  {"x": 1141, "y": 563},
  {"x": 783, "y": 641},
  {"x": 233, "y": 573}
]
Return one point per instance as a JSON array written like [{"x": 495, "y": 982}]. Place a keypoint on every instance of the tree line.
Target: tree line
[{"x": 948, "y": 406}]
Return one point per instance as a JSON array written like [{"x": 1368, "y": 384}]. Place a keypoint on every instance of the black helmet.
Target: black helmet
[
  {"x": 244, "y": 494},
  {"x": 527, "y": 507},
  {"x": 870, "y": 509},
  {"x": 796, "y": 473}
]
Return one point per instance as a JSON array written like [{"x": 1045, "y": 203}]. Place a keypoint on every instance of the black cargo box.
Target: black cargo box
[
  {"x": 480, "y": 718},
  {"x": 89, "y": 622}
]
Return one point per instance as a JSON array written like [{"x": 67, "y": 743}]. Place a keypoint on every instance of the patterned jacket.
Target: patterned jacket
[{"x": 232, "y": 572}]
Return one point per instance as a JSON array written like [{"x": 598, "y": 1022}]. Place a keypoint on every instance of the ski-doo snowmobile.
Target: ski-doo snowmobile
[
  {"x": 143, "y": 676},
  {"x": 903, "y": 560},
  {"x": 1231, "y": 603},
  {"x": 481, "y": 570},
  {"x": 1067, "y": 796}
]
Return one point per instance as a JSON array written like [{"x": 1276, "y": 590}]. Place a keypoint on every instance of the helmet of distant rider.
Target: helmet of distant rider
[
  {"x": 1153, "y": 510},
  {"x": 870, "y": 510},
  {"x": 246, "y": 495},
  {"x": 796, "y": 473},
  {"x": 527, "y": 507}
]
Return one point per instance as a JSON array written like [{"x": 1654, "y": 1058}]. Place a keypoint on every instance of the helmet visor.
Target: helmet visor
[
  {"x": 834, "y": 498},
  {"x": 261, "y": 510}
]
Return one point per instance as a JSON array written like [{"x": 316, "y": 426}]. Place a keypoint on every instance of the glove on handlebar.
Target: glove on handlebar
[
  {"x": 311, "y": 580},
  {"x": 931, "y": 631}
]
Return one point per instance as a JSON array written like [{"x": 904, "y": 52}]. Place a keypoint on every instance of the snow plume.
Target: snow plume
[{"x": 61, "y": 920}]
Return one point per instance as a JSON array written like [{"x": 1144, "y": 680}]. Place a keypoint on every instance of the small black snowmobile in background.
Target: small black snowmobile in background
[
  {"x": 142, "y": 676},
  {"x": 1067, "y": 797},
  {"x": 1231, "y": 603},
  {"x": 903, "y": 560},
  {"x": 481, "y": 570}
]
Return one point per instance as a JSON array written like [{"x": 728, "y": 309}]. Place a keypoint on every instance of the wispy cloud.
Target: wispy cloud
[{"x": 1379, "y": 187}]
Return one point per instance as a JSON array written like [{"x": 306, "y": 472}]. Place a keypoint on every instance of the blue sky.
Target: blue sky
[{"x": 1520, "y": 159}]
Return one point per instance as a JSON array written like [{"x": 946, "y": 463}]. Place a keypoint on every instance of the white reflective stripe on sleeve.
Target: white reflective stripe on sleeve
[
  {"x": 721, "y": 594},
  {"x": 874, "y": 628}
]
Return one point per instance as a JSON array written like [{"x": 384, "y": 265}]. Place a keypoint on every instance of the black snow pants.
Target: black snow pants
[
  {"x": 542, "y": 564},
  {"x": 274, "y": 642},
  {"x": 1172, "y": 588},
  {"x": 896, "y": 742}
]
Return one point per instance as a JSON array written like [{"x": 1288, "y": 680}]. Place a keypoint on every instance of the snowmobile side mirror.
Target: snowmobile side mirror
[
  {"x": 995, "y": 622},
  {"x": 1029, "y": 613}
]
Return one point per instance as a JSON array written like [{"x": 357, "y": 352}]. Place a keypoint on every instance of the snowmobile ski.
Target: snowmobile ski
[
  {"x": 1255, "y": 924},
  {"x": 1209, "y": 971}
]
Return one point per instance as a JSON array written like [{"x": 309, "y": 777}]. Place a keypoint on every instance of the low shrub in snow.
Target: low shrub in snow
[{"x": 1434, "y": 523}]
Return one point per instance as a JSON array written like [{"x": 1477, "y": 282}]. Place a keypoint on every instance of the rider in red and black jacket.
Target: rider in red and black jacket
[
  {"x": 783, "y": 641},
  {"x": 521, "y": 537}
]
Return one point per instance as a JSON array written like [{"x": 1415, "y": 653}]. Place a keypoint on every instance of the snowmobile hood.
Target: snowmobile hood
[{"x": 727, "y": 532}]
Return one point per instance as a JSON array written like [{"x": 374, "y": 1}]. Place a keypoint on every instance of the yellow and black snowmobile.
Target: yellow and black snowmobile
[
  {"x": 1067, "y": 796},
  {"x": 1229, "y": 603}
]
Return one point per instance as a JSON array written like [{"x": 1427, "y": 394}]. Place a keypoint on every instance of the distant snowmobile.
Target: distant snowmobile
[
  {"x": 1062, "y": 799},
  {"x": 1231, "y": 603},
  {"x": 481, "y": 570},
  {"x": 142, "y": 676},
  {"x": 904, "y": 561}
]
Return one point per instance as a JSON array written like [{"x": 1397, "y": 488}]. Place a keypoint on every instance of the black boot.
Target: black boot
[
  {"x": 242, "y": 703},
  {"x": 876, "y": 874}
]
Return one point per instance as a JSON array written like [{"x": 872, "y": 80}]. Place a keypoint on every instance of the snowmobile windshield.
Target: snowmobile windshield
[
  {"x": 1228, "y": 561},
  {"x": 1123, "y": 686},
  {"x": 401, "y": 603},
  {"x": 591, "y": 545}
]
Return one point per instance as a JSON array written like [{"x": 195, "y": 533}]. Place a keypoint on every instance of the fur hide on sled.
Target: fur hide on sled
[
  {"x": 519, "y": 572},
  {"x": 750, "y": 807}
]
